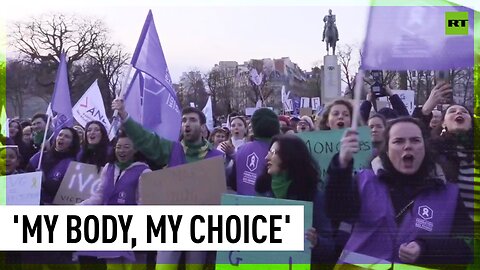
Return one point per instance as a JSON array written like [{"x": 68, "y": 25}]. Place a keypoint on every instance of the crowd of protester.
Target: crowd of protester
[{"x": 415, "y": 204}]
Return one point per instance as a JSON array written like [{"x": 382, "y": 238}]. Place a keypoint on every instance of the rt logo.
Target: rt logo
[{"x": 456, "y": 23}]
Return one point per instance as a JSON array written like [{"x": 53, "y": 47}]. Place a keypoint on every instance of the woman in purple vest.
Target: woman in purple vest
[
  {"x": 54, "y": 166},
  {"x": 119, "y": 186},
  {"x": 55, "y": 162},
  {"x": 96, "y": 145},
  {"x": 403, "y": 210},
  {"x": 292, "y": 173}
]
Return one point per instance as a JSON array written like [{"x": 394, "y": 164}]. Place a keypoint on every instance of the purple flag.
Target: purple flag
[
  {"x": 406, "y": 38},
  {"x": 61, "y": 104},
  {"x": 133, "y": 97},
  {"x": 160, "y": 107}
]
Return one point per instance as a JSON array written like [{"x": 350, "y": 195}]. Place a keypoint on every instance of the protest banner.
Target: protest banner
[
  {"x": 242, "y": 260},
  {"x": 323, "y": 145},
  {"x": 79, "y": 183},
  {"x": 316, "y": 103},
  {"x": 22, "y": 189},
  {"x": 305, "y": 102},
  {"x": 197, "y": 183}
]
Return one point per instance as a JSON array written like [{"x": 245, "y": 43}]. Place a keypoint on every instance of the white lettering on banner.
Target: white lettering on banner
[
  {"x": 172, "y": 103},
  {"x": 153, "y": 227}
]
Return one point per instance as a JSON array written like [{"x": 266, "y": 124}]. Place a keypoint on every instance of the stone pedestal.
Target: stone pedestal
[{"x": 331, "y": 80}]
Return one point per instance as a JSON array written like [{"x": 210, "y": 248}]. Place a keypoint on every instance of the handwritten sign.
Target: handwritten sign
[
  {"x": 241, "y": 260},
  {"x": 23, "y": 189},
  {"x": 201, "y": 182},
  {"x": 79, "y": 183},
  {"x": 323, "y": 145}
]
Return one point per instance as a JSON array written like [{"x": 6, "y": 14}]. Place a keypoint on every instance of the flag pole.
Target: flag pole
[
  {"x": 120, "y": 95},
  {"x": 356, "y": 101},
  {"x": 47, "y": 126}
]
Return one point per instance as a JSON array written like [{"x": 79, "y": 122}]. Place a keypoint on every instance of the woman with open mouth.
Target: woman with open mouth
[
  {"x": 119, "y": 186},
  {"x": 55, "y": 162},
  {"x": 96, "y": 145},
  {"x": 456, "y": 150},
  {"x": 54, "y": 165},
  {"x": 291, "y": 173},
  {"x": 403, "y": 209},
  {"x": 336, "y": 115}
]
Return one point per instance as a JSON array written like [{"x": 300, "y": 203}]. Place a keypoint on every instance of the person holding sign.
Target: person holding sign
[
  {"x": 403, "y": 209},
  {"x": 163, "y": 152},
  {"x": 292, "y": 173},
  {"x": 55, "y": 162},
  {"x": 119, "y": 186},
  {"x": 336, "y": 115}
]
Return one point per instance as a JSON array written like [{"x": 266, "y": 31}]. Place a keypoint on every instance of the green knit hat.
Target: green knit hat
[{"x": 265, "y": 123}]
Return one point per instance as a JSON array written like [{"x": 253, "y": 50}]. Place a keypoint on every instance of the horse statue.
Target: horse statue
[
  {"x": 330, "y": 37},
  {"x": 330, "y": 31}
]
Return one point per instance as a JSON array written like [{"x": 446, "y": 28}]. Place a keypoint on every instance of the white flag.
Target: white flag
[
  {"x": 207, "y": 110},
  {"x": 90, "y": 107}
]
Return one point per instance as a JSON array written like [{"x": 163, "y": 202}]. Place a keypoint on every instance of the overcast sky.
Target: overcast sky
[{"x": 198, "y": 34}]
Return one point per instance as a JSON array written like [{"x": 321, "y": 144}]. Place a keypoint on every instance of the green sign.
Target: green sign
[
  {"x": 249, "y": 260},
  {"x": 323, "y": 145},
  {"x": 456, "y": 23}
]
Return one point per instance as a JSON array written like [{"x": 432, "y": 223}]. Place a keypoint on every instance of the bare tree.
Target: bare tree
[
  {"x": 194, "y": 85},
  {"x": 348, "y": 68}
]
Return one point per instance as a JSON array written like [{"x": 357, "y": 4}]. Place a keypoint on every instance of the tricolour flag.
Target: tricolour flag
[
  {"x": 418, "y": 37},
  {"x": 90, "y": 107},
  {"x": 61, "y": 105},
  {"x": 160, "y": 109}
]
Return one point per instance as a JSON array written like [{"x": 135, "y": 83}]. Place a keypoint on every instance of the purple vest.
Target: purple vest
[
  {"x": 124, "y": 191},
  {"x": 52, "y": 179},
  {"x": 177, "y": 157},
  {"x": 375, "y": 232},
  {"x": 250, "y": 162}
]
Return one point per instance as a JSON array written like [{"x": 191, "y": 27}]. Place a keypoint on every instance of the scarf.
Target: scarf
[
  {"x": 195, "y": 152},
  {"x": 123, "y": 165},
  {"x": 280, "y": 185}
]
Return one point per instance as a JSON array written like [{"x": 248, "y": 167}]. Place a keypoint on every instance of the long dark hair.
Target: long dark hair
[
  {"x": 112, "y": 157},
  {"x": 446, "y": 147},
  {"x": 301, "y": 169},
  {"x": 98, "y": 154},
  {"x": 18, "y": 139},
  {"x": 428, "y": 163}
]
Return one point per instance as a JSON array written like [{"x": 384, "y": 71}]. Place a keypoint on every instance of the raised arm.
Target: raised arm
[{"x": 148, "y": 143}]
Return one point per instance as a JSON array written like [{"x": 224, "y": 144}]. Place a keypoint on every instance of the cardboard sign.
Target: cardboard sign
[
  {"x": 197, "y": 183},
  {"x": 305, "y": 111},
  {"x": 22, "y": 189},
  {"x": 241, "y": 260},
  {"x": 79, "y": 183},
  {"x": 323, "y": 145}
]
